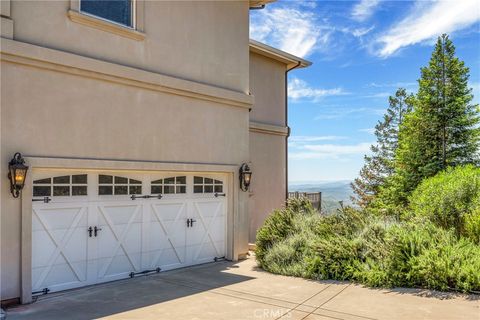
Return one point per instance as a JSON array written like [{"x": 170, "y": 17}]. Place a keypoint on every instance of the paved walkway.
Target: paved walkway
[{"x": 227, "y": 290}]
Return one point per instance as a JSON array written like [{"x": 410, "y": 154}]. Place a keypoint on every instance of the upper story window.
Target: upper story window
[{"x": 118, "y": 11}]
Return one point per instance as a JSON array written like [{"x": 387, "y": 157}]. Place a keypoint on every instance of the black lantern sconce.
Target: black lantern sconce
[
  {"x": 17, "y": 172},
  {"x": 245, "y": 177}
]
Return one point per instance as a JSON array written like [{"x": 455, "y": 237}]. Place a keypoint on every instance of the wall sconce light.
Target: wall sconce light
[
  {"x": 245, "y": 177},
  {"x": 17, "y": 171}
]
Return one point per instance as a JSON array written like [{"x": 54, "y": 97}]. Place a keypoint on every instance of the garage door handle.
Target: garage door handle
[
  {"x": 95, "y": 230},
  {"x": 89, "y": 230},
  {"x": 219, "y": 194}
]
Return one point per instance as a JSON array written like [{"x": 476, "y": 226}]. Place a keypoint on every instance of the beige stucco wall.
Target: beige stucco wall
[
  {"x": 57, "y": 103},
  {"x": 267, "y": 84},
  {"x": 52, "y": 114},
  {"x": 267, "y": 154},
  {"x": 268, "y": 133},
  {"x": 204, "y": 41}
]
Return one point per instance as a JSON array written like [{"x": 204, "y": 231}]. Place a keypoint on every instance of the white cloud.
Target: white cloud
[
  {"x": 378, "y": 95},
  {"x": 314, "y": 138},
  {"x": 299, "y": 89},
  {"x": 301, "y": 141},
  {"x": 391, "y": 85},
  {"x": 339, "y": 113},
  {"x": 364, "y": 9},
  {"x": 332, "y": 151},
  {"x": 427, "y": 21},
  {"x": 291, "y": 30},
  {"x": 360, "y": 32},
  {"x": 475, "y": 87},
  {"x": 368, "y": 130}
]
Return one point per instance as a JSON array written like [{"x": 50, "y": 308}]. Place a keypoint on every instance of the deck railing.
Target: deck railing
[{"x": 314, "y": 197}]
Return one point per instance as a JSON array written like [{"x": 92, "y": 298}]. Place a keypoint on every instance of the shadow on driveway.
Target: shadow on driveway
[{"x": 120, "y": 296}]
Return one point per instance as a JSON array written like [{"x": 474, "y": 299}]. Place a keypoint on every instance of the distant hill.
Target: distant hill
[{"x": 332, "y": 192}]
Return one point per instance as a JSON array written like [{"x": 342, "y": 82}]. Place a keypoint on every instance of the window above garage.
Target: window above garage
[
  {"x": 118, "y": 11},
  {"x": 121, "y": 17}
]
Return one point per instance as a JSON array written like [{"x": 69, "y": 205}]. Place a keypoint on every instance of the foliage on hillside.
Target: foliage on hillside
[
  {"x": 451, "y": 200},
  {"x": 442, "y": 129},
  {"x": 419, "y": 194},
  {"x": 381, "y": 163},
  {"x": 375, "y": 251}
]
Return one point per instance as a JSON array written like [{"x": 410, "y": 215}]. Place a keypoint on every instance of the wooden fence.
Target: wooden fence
[{"x": 314, "y": 197}]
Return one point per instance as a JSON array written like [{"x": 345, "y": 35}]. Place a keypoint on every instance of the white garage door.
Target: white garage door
[{"x": 91, "y": 227}]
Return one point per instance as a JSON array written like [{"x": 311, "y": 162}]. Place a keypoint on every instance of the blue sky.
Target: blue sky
[{"x": 362, "y": 51}]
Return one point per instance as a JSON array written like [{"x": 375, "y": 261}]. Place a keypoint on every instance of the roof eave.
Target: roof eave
[
  {"x": 289, "y": 59},
  {"x": 258, "y": 4}
]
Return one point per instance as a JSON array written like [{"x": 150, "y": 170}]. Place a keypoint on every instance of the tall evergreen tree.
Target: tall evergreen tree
[
  {"x": 380, "y": 164},
  {"x": 443, "y": 128}
]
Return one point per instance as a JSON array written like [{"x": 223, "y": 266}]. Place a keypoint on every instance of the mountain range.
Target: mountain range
[{"x": 332, "y": 192}]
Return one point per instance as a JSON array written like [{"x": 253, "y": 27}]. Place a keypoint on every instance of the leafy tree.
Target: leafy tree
[
  {"x": 380, "y": 164},
  {"x": 443, "y": 128}
]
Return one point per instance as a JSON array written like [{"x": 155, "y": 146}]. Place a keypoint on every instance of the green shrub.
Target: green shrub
[
  {"x": 280, "y": 224},
  {"x": 448, "y": 197},
  {"x": 335, "y": 258},
  {"x": 375, "y": 251},
  {"x": 289, "y": 257}
]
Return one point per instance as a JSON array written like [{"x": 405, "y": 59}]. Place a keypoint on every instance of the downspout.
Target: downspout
[{"x": 286, "y": 123}]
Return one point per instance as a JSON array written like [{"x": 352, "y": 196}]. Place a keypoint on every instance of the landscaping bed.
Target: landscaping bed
[{"x": 433, "y": 243}]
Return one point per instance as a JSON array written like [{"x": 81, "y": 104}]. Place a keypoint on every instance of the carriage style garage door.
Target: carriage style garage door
[{"x": 92, "y": 227}]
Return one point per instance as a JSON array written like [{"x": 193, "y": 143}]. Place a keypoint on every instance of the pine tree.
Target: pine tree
[
  {"x": 443, "y": 128},
  {"x": 380, "y": 164}
]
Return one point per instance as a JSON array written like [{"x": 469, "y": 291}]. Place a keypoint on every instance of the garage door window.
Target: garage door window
[
  {"x": 206, "y": 185},
  {"x": 61, "y": 186},
  {"x": 115, "y": 185},
  {"x": 172, "y": 185}
]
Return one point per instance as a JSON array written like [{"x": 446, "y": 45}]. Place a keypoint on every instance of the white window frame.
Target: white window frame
[{"x": 135, "y": 31}]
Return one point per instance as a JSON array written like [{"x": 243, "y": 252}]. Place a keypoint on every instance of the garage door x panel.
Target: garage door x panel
[
  {"x": 167, "y": 234},
  {"x": 119, "y": 241},
  {"x": 206, "y": 241},
  {"x": 59, "y": 246}
]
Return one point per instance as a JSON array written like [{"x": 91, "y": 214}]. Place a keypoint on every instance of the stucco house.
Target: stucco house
[{"x": 135, "y": 119}]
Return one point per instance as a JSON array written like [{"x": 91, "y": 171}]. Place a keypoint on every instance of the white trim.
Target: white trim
[
  {"x": 35, "y": 56},
  {"x": 269, "y": 129},
  {"x": 105, "y": 25}
]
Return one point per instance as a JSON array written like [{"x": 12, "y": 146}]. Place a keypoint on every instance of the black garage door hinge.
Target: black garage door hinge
[
  {"x": 44, "y": 199},
  {"x": 43, "y": 291},
  {"x": 219, "y": 258},
  {"x": 144, "y": 272}
]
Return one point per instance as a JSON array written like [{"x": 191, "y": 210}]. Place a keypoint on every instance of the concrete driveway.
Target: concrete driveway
[{"x": 227, "y": 290}]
